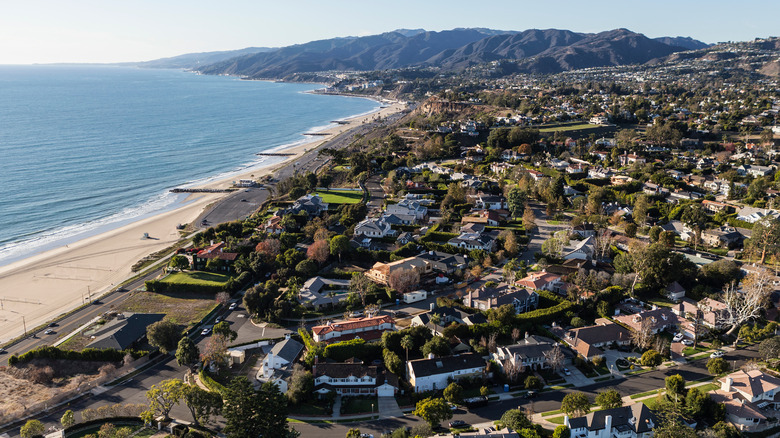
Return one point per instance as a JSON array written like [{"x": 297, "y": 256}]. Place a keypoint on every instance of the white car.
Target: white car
[
  {"x": 233, "y": 306},
  {"x": 566, "y": 371},
  {"x": 716, "y": 354},
  {"x": 687, "y": 342},
  {"x": 205, "y": 331},
  {"x": 678, "y": 337}
]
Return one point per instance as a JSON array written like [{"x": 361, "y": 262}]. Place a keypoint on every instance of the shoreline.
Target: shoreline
[{"x": 42, "y": 286}]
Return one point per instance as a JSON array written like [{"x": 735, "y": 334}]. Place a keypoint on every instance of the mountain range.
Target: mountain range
[{"x": 534, "y": 51}]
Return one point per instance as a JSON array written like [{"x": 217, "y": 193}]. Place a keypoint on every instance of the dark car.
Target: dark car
[
  {"x": 531, "y": 394},
  {"x": 457, "y": 423}
]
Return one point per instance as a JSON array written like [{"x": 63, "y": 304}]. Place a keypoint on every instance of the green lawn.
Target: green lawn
[
  {"x": 577, "y": 127},
  {"x": 197, "y": 277},
  {"x": 645, "y": 394},
  {"x": 321, "y": 408},
  {"x": 555, "y": 420},
  {"x": 341, "y": 196},
  {"x": 359, "y": 405},
  {"x": 180, "y": 308}
]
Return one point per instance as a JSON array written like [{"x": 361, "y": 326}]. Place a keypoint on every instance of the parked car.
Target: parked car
[
  {"x": 678, "y": 337},
  {"x": 2, "y": 350},
  {"x": 205, "y": 331},
  {"x": 233, "y": 306},
  {"x": 457, "y": 423},
  {"x": 452, "y": 406},
  {"x": 356, "y": 314},
  {"x": 687, "y": 342},
  {"x": 218, "y": 320},
  {"x": 566, "y": 371},
  {"x": 530, "y": 394},
  {"x": 716, "y": 354}
]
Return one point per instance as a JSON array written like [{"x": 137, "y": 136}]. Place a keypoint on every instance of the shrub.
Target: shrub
[
  {"x": 651, "y": 358},
  {"x": 88, "y": 354}
]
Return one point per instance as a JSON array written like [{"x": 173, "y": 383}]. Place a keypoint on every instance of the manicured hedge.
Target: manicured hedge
[
  {"x": 211, "y": 384},
  {"x": 88, "y": 354},
  {"x": 341, "y": 351},
  {"x": 545, "y": 316},
  {"x": 162, "y": 287}
]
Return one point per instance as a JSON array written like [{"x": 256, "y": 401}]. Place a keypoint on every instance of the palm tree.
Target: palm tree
[{"x": 406, "y": 343}]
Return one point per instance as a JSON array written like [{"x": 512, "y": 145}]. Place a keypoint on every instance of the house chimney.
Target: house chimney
[
  {"x": 608, "y": 424},
  {"x": 287, "y": 336},
  {"x": 432, "y": 306},
  {"x": 726, "y": 385},
  {"x": 431, "y": 355},
  {"x": 566, "y": 421}
]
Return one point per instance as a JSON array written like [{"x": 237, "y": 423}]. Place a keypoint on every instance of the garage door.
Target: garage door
[{"x": 385, "y": 391}]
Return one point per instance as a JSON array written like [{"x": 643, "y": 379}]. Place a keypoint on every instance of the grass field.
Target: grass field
[
  {"x": 181, "y": 309},
  {"x": 341, "y": 196},
  {"x": 577, "y": 127},
  {"x": 359, "y": 405},
  {"x": 197, "y": 277}
]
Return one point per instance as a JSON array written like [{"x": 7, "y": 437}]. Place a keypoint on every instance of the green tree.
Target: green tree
[
  {"x": 353, "y": 433},
  {"x": 436, "y": 345},
  {"x": 187, "y": 353},
  {"x": 68, "y": 419},
  {"x": 32, "y": 428},
  {"x": 630, "y": 229},
  {"x": 561, "y": 432},
  {"x": 223, "y": 329},
  {"x": 575, "y": 404},
  {"x": 666, "y": 238},
  {"x": 675, "y": 386},
  {"x": 515, "y": 419},
  {"x": 453, "y": 393},
  {"x": 255, "y": 413},
  {"x": 764, "y": 239},
  {"x": 655, "y": 233},
  {"x": 695, "y": 217},
  {"x": 202, "y": 404},
  {"x": 179, "y": 262},
  {"x": 717, "y": 366},
  {"x": 164, "y": 395},
  {"x": 484, "y": 391},
  {"x": 301, "y": 384},
  {"x": 769, "y": 348},
  {"x": 529, "y": 219},
  {"x": 339, "y": 244},
  {"x": 640, "y": 210},
  {"x": 515, "y": 200},
  {"x": 533, "y": 382},
  {"x": 164, "y": 335},
  {"x": 407, "y": 343},
  {"x": 609, "y": 399},
  {"x": 433, "y": 410},
  {"x": 651, "y": 358}
]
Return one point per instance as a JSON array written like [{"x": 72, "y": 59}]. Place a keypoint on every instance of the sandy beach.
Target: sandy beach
[{"x": 41, "y": 287}]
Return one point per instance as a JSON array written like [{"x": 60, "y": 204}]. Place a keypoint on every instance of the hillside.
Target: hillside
[{"x": 547, "y": 51}]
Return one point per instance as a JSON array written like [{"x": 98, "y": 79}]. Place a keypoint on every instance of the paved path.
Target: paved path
[{"x": 388, "y": 408}]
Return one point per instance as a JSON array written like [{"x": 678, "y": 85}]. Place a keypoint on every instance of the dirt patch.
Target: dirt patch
[
  {"x": 180, "y": 308},
  {"x": 43, "y": 382}
]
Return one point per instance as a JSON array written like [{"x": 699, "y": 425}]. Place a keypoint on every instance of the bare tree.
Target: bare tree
[
  {"x": 512, "y": 370},
  {"x": 222, "y": 298},
  {"x": 554, "y": 358},
  {"x": 515, "y": 334},
  {"x": 643, "y": 336},
  {"x": 403, "y": 280},
  {"x": 492, "y": 347},
  {"x": 603, "y": 241},
  {"x": 746, "y": 304}
]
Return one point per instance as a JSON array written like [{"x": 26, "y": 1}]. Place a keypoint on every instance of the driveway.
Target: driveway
[
  {"x": 388, "y": 408},
  {"x": 577, "y": 378}
]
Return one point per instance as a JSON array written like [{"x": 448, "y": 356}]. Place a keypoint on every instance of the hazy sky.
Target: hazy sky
[{"x": 41, "y": 31}]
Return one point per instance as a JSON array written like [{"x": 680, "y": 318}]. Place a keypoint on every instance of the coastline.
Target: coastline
[{"x": 41, "y": 287}]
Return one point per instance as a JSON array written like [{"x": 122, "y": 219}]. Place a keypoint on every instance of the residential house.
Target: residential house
[
  {"x": 404, "y": 238},
  {"x": 721, "y": 237},
  {"x": 312, "y": 204},
  {"x": 484, "y": 298},
  {"x": 485, "y": 217},
  {"x": 436, "y": 319},
  {"x": 540, "y": 280},
  {"x": 318, "y": 292},
  {"x": 627, "y": 159},
  {"x": 354, "y": 379},
  {"x": 633, "y": 421},
  {"x": 490, "y": 202},
  {"x": 444, "y": 262},
  {"x": 584, "y": 230},
  {"x": 363, "y": 328},
  {"x": 436, "y": 373},
  {"x": 745, "y": 394},
  {"x": 123, "y": 331},
  {"x": 754, "y": 170},
  {"x": 373, "y": 227},
  {"x": 214, "y": 252},
  {"x": 715, "y": 207},
  {"x": 473, "y": 236},
  {"x": 485, "y": 433},
  {"x": 500, "y": 168},
  {"x": 581, "y": 250},
  {"x": 599, "y": 172},
  {"x": 753, "y": 215},
  {"x": 658, "y": 320},
  {"x": 381, "y": 272},
  {"x": 406, "y": 206},
  {"x": 528, "y": 353},
  {"x": 283, "y": 353},
  {"x": 590, "y": 341},
  {"x": 273, "y": 225},
  {"x": 710, "y": 312},
  {"x": 675, "y": 292}
]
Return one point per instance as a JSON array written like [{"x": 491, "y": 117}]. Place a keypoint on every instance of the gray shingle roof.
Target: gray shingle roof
[
  {"x": 445, "y": 365},
  {"x": 621, "y": 419},
  {"x": 121, "y": 333},
  {"x": 289, "y": 349}
]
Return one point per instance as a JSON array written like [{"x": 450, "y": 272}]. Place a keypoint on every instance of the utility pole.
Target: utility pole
[{"x": 25, "y": 325}]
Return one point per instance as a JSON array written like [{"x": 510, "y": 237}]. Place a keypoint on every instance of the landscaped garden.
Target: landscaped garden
[
  {"x": 199, "y": 278},
  {"x": 341, "y": 196}
]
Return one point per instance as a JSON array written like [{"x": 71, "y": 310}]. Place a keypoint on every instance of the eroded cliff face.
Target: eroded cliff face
[{"x": 434, "y": 105}]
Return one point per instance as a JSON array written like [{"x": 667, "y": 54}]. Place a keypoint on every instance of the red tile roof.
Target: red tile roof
[{"x": 352, "y": 324}]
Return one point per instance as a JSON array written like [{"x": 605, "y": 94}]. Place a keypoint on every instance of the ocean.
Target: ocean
[{"x": 86, "y": 149}]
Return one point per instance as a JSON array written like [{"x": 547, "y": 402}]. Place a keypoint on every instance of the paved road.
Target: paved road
[
  {"x": 237, "y": 205},
  {"x": 537, "y": 237},
  {"x": 376, "y": 192},
  {"x": 546, "y": 401}
]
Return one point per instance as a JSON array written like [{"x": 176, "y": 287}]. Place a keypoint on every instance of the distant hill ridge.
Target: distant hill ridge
[{"x": 535, "y": 50}]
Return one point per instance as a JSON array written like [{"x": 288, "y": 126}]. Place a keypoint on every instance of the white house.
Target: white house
[
  {"x": 364, "y": 328},
  {"x": 436, "y": 373},
  {"x": 354, "y": 379},
  {"x": 408, "y": 207},
  {"x": 582, "y": 250},
  {"x": 634, "y": 421},
  {"x": 745, "y": 394},
  {"x": 530, "y": 352},
  {"x": 374, "y": 228}
]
